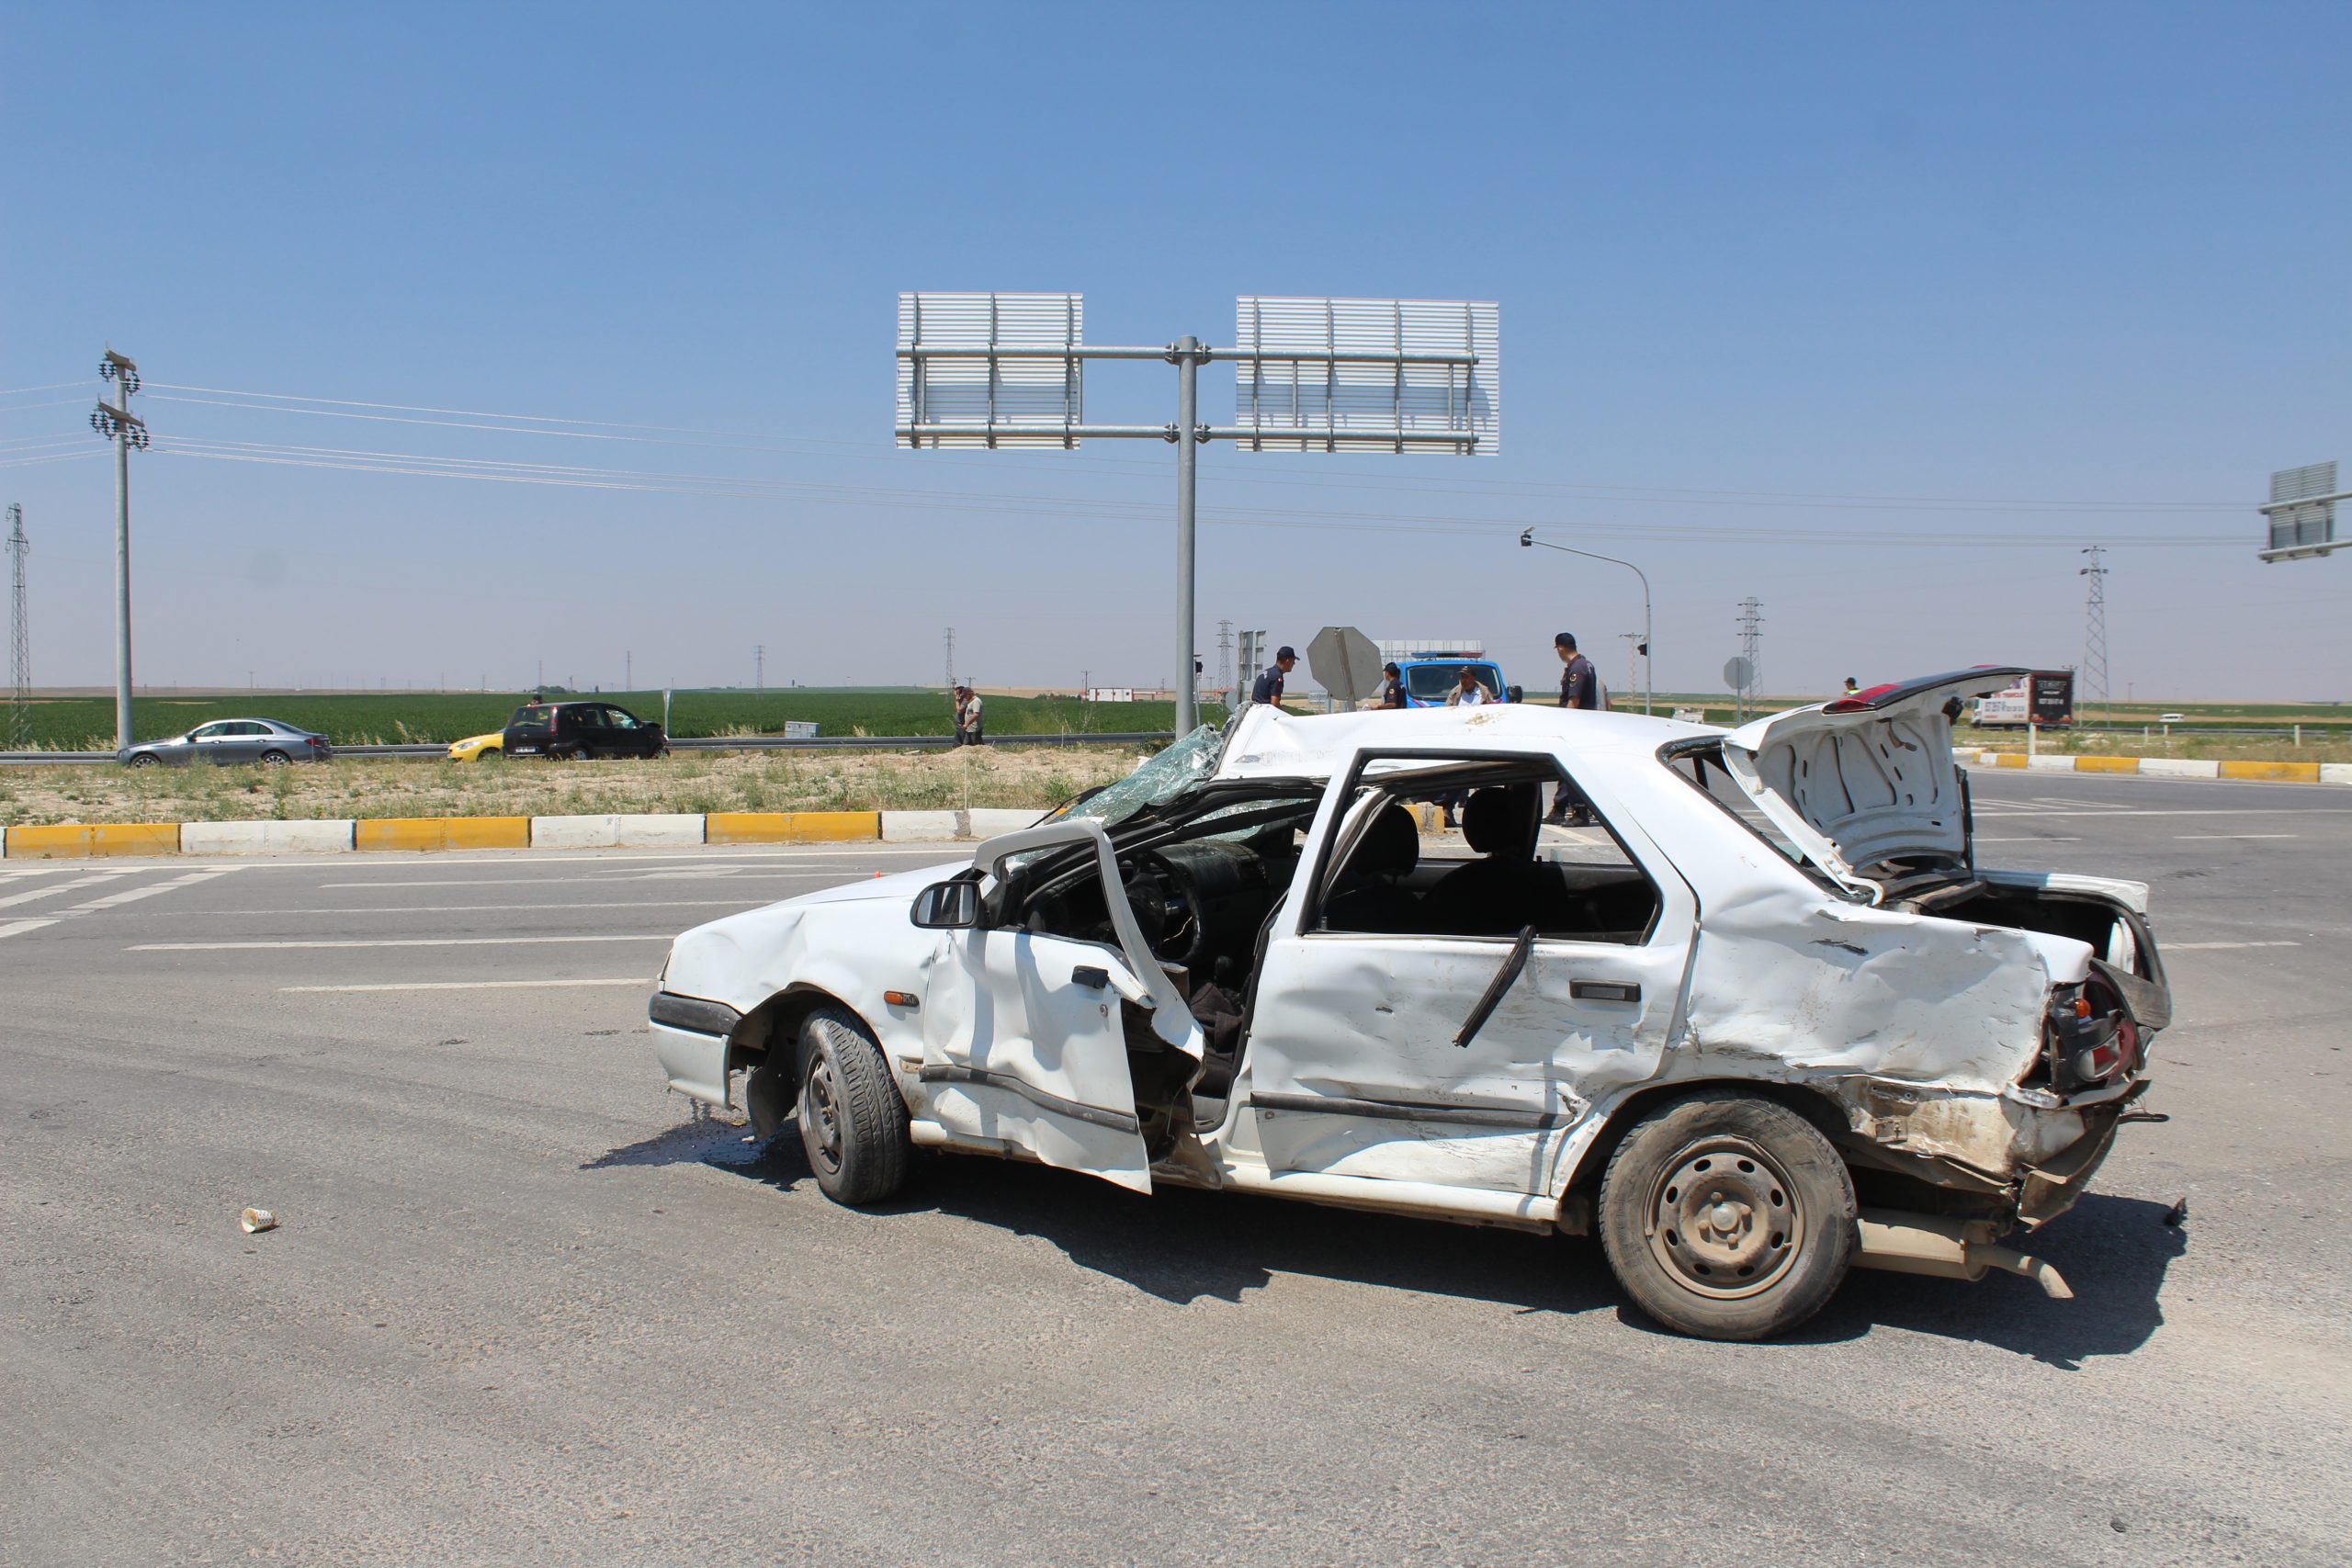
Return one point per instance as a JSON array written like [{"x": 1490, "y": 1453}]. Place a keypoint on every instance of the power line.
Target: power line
[
  {"x": 520, "y": 424},
  {"x": 730, "y": 487}
]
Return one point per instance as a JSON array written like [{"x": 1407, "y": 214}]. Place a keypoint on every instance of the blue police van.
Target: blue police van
[{"x": 1430, "y": 677}]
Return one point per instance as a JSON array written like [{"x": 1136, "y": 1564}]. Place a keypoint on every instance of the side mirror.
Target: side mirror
[{"x": 948, "y": 906}]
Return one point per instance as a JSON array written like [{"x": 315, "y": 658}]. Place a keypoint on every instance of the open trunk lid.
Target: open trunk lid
[{"x": 1865, "y": 785}]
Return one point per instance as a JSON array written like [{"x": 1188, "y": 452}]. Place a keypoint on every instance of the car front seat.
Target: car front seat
[
  {"x": 1501, "y": 891},
  {"x": 1372, "y": 897}
]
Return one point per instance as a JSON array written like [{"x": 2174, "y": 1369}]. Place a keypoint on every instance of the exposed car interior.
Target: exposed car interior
[
  {"x": 1205, "y": 874},
  {"x": 1379, "y": 880}
]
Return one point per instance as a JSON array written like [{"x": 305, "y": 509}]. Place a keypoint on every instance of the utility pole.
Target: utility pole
[
  {"x": 20, "y": 655},
  {"x": 1751, "y": 636},
  {"x": 759, "y": 667},
  {"x": 127, "y": 431},
  {"x": 2094, "y": 629},
  {"x": 628, "y": 670}
]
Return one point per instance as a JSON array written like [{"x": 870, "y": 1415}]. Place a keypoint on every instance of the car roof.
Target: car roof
[{"x": 1315, "y": 746}]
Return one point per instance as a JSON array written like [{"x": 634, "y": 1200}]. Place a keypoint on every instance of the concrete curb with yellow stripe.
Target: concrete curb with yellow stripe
[
  {"x": 2165, "y": 767},
  {"x": 648, "y": 831}
]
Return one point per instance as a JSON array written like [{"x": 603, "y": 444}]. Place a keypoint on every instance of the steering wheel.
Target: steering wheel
[{"x": 1182, "y": 934}]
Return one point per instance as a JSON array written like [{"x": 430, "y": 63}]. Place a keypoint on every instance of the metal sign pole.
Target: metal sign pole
[
  {"x": 1187, "y": 355},
  {"x": 994, "y": 370}
]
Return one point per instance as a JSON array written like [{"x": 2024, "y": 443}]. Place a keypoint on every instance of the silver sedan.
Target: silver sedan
[{"x": 230, "y": 740}]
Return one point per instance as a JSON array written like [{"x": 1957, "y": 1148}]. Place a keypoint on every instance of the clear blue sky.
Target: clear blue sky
[{"x": 2031, "y": 253}]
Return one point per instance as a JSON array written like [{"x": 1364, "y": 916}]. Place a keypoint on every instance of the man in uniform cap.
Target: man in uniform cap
[
  {"x": 1580, "y": 688},
  {"x": 1268, "y": 687}
]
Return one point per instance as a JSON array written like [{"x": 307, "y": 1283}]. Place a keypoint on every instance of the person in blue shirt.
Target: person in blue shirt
[
  {"x": 1392, "y": 688},
  {"x": 1268, "y": 687}
]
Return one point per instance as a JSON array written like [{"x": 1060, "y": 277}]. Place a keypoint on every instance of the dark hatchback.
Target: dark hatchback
[{"x": 566, "y": 731}]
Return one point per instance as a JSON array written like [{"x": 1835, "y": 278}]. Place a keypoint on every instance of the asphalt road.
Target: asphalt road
[{"x": 523, "y": 1307}]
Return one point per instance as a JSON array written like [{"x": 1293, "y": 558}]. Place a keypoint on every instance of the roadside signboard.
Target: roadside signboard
[{"x": 1345, "y": 663}]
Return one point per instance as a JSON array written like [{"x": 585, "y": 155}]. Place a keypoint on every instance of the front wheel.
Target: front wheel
[
  {"x": 146, "y": 760},
  {"x": 1727, "y": 1217},
  {"x": 275, "y": 759},
  {"x": 852, "y": 1123}
]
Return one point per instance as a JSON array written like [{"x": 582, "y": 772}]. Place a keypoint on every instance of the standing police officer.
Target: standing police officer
[
  {"x": 1268, "y": 687},
  {"x": 1580, "y": 688},
  {"x": 1392, "y": 687}
]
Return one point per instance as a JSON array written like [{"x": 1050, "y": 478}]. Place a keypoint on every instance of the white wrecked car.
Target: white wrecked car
[{"x": 1767, "y": 1021}]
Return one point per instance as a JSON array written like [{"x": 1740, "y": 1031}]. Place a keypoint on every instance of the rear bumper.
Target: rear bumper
[{"x": 690, "y": 1037}]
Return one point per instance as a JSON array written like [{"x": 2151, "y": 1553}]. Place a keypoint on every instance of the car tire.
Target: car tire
[
  {"x": 275, "y": 759},
  {"x": 146, "y": 760},
  {"x": 852, "y": 1123},
  {"x": 1726, "y": 1216}
]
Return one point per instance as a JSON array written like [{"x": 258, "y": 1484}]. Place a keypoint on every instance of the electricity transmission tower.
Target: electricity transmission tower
[
  {"x": 2095, "y": 628},
  {"x": 759, "y": 667},
  {"x": 20, "y": 656},
  {"x": 1224, "y": 660},
  {"x": 1751, "y": 636}
]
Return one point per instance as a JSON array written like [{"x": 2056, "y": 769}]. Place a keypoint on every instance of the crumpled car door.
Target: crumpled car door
[{"x": 1025, "y": 1035}]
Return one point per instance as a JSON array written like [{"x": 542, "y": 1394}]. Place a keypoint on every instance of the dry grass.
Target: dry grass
[{"x": 692, "y": 782}]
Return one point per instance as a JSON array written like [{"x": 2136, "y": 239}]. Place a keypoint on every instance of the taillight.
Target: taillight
[
  {"x": 2090, "y": 1040},
  {"x": 315, "y": 741}
]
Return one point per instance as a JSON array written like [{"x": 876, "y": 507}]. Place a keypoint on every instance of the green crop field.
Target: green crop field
[{"x": 86, "y": 724}]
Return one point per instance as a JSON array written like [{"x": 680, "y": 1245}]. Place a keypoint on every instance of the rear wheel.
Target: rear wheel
[
  {"x": 852, "y": 1123},
  {"x": 1727, "y": 1216}
]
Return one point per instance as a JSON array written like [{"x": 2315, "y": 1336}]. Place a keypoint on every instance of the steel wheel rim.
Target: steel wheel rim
[
  {"x": 1723, "y": 1220},
  {"x": 822, "y": 1116}
]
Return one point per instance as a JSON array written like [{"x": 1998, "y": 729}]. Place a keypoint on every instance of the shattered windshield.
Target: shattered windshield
[{"x": 1159, "y": 780}]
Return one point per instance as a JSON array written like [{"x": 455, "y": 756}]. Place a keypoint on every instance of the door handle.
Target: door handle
[{"x": 1604, "y": 991}]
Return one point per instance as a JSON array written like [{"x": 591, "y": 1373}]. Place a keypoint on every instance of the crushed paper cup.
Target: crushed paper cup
[{"x": 254, "y": 1220}]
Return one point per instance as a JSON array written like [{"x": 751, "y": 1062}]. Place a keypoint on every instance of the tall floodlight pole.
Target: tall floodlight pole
[
  {"x": 1649, "y": 670},
  {"x": 1317, "y": 375},
  {"x": 20, "y": 646},
  {"x": 126, "y": 431}
]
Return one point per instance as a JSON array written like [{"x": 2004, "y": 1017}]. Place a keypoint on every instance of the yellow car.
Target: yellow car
[{"x": 479, "y": 748}]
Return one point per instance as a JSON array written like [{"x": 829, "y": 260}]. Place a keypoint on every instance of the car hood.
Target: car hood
[
  {"x": 1867, "y": 781},
  {"x": 902, "y": 885}
]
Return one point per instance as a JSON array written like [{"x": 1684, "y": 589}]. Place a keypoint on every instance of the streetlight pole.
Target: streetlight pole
[{"x": 1649, "y": 670}]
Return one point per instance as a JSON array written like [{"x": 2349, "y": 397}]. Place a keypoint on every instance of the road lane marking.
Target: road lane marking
[
  {"x": 2217, "y": 947},
  {"x": 17, "y": 928},
  {"x": 56, "y": 888},
  {"x": 2237, "y": 835},
  {"x": 387, "y": 941},
  {"x": 2136, "y": 813},
  {"x": 472, "y": 909},
  {"x": 133, "y": 894},
  {"x": 473, "y": 985},
  {"x": 603, "y": 881}
]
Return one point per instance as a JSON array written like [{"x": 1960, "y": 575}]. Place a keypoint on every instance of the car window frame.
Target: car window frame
[{"x": 1317, "y": 889}]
